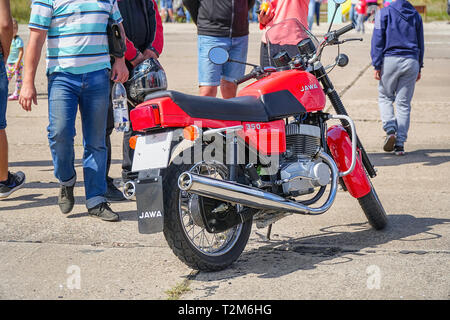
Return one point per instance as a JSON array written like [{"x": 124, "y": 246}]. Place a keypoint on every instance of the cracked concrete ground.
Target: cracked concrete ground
[{"x": 47, "y": 255}]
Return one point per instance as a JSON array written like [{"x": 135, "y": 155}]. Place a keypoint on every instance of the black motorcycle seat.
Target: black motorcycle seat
[{"x": 268, "y": 107}]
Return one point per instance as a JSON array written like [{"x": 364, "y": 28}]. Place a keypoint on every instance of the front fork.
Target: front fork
[{"x": 320, "y": 73}]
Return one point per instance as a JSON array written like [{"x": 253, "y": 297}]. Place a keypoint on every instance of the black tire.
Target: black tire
[
  {"x": 373, "y": 209},
  {"x": 176, "y": 234}
]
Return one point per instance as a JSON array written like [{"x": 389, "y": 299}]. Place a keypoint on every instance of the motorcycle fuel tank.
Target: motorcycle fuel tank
[{"x": 303, "y": 85}]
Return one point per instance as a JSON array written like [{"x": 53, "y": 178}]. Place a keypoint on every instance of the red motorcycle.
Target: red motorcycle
[{"x": 207, "y": 168}]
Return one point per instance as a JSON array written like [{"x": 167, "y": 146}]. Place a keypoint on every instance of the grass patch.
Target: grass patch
[
  {"x": 20, "y": 10},
  {"x": 176, "y": 292},
  {"x": 436, "y": 9}
]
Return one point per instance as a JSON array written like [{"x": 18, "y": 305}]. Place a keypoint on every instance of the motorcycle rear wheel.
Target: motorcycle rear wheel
[{"x": 189, "y": 241}]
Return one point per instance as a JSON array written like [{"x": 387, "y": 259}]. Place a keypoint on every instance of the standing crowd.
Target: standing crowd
[{"x": 81, "y": 71}]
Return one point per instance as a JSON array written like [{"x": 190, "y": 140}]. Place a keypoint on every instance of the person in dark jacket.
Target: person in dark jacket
[
  {"x": 144, "y": 32},
  {"x": 221, "y": 23},
  {"x": 397, "y": 56}
]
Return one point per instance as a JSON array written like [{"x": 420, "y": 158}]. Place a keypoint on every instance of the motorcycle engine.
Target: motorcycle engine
[{"x": 302, "y": 172}]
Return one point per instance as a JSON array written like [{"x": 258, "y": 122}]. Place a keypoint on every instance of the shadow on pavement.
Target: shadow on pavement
[
  {"x": 334, "y": 245},
  {"x": 49, "y": 163},
  {"x": 33, "y": 200},
  {"x": 430, "y": 157}
]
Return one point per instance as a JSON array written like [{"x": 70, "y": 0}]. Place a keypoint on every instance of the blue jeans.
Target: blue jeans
[
  {"x": 91, "y": 92},
  {"x": 166, "y": 4},
  {"x": 254, "y": 9},
  {"x": 311, "y": 7},
  {"x": 209, "y": 74},
  {"x": 353, "y": 13},
  {"x": 188, "y": 16},
  {"x": 3, "y": 93}
]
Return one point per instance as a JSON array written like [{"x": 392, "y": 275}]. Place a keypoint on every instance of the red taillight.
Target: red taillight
[
  {"x": 156, "y": 114},
  {"x": 145, "y": 117}
]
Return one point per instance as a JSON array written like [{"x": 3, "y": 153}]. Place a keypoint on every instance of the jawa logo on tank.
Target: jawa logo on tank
[
  {"x": 309, "y": 87},
  {"x": 150, "y": 214}
]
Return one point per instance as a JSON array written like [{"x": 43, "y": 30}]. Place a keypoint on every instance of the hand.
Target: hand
[
  {"x": 377, "y": 75},
  {"x": 119, "y": 72},
  {"x": 419, "y": 76},
  {"x": 150, "y": 54},
  {"x": 265, "y": 17},
  {"x": 27, "y": 95},
  {"x": 138, "y": 60}
]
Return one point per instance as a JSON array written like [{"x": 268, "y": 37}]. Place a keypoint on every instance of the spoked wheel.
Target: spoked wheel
[{"x": 184, "y": 227}]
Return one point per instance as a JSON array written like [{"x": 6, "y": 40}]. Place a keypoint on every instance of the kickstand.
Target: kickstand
[{"x": 269, "y": 230}]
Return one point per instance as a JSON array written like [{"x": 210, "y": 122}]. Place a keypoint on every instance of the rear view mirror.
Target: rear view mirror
[{"x": 218, "y": 55}]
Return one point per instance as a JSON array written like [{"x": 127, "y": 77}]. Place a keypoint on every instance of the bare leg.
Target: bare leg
[
  {"x": 228, "y": 89},
  {"x": 208, "y": 91}
]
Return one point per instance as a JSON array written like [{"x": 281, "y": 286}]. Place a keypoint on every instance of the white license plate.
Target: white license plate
[{"x": 152, "y": 151}]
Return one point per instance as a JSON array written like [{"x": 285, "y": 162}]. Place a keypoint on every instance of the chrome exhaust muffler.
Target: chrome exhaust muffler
[
  {"x": 129, "y": 190},
  {"x": 253, "y": 197}
]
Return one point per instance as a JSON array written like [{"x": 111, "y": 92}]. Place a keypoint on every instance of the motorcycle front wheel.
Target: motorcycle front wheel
[
  {"x": 184, "y": 230},
  {"x": 373, "y": 209}
]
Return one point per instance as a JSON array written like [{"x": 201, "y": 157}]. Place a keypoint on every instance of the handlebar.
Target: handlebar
[
  {"x": 345, "y": 29},
  {"x": 245, "y": 78},
  {"x": 330, "y": 39}
]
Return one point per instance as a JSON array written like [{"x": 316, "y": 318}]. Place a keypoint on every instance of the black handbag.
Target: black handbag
[{"x": 117, "y": 45}]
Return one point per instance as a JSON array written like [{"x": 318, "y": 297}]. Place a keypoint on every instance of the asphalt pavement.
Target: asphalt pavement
[{"x": 47, "y": 255}]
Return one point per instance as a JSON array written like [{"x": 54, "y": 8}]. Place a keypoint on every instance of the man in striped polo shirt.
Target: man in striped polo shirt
[{"x": 78, "y": 71}]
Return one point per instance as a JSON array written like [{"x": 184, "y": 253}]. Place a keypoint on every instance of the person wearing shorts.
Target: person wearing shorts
[
  {"x": 210, "y": 75},
  {"x": 223, "y": 26},
  {"x": 167, "y": 10},
  {"x": 9, "y": 182}
]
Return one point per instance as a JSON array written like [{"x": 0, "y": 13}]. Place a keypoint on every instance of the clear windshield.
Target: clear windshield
[{"x": 285, "y": 36}]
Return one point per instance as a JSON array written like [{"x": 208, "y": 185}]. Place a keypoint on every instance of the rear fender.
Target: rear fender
[{"x": 340, "y": 145}]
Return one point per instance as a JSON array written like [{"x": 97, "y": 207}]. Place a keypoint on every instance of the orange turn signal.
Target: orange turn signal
[
  {"x": 132, "y": 142},
  {"x": 191, "y": 133}
]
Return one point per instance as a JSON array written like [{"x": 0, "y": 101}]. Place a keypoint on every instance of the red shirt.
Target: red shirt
[
  {"x": 361, "y": 8},
  {"x": 285, "y": 9}
]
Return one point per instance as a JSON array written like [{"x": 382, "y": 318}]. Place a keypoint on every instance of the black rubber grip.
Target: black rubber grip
[
  {"x": 247, "y": 77},
  {"x": 345, "y": 29}
]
